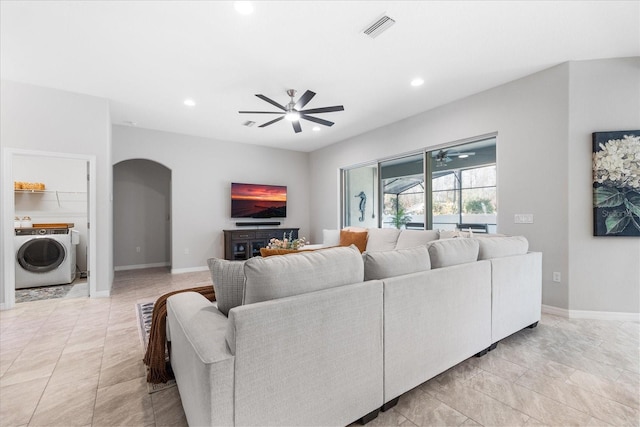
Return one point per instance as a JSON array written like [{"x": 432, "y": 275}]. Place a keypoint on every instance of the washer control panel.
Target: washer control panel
[{"x": 40, "y": 231}]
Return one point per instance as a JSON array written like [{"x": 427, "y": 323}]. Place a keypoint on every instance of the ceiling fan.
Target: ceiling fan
[
  {"x": 444, "y": 156},
  {"x": 293, "y": 110}
]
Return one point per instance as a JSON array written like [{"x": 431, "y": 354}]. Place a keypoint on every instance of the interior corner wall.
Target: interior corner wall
[
  {"x": 604, "y": 271},
  {"x": 530, "y": 116},
  {"x": 42, "y": 119},
  {"x": 202, "y": 170}
]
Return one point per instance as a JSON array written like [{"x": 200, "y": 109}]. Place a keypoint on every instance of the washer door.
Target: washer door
[{"x": 41, "y": 255}]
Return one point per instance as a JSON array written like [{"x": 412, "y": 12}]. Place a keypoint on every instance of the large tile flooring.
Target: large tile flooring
[{"x": 66, "y": 362}]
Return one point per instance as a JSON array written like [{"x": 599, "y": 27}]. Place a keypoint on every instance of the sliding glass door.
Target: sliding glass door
[{"x": 461, "y": 193}]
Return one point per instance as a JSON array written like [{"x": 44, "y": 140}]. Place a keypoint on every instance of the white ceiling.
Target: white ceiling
[{"x": 146, "y": 57}]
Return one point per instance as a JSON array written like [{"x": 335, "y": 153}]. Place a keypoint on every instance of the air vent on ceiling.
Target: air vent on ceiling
[{"x": 379, "y": 26}]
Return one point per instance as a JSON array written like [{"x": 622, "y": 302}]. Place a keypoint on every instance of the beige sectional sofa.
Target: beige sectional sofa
[{"x": 332, "y": 336}]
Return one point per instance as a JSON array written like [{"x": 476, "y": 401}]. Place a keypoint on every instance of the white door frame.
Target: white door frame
[{"x": 8, "y": 212}]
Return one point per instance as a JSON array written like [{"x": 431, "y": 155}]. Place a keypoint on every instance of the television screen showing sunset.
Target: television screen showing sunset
[{"x": 258, "y": 201}]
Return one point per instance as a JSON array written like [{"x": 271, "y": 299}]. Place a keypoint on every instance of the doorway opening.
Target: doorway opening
[
  {"x": 49, "y": 203},
  {"x": 141, "y": 215}
]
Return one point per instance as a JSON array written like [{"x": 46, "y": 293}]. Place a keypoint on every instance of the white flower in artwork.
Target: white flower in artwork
[{"x": 617, "y": 164}]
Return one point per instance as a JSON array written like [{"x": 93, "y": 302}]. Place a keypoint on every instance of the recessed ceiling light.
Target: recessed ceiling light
[
  {"x": 417, "y": 82},
  {"x": 189, "y": 102},
  {"x": 316, "y": 128},
  {"x": 243, "y": 7}
]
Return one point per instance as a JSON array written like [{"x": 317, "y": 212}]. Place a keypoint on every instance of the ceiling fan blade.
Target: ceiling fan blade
[
  {"x": 323, "y": 110},
  {"x": 296, "y": 126},
  {"x": 271, "y": 101},
  {"x": 271, "y": 122},
  {"x": 304, "y": 99},
  {"x": 317, "y": 120},
  {"x": 260, "y": 112}
]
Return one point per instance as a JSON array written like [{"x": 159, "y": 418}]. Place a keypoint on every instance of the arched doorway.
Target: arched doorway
[{"x": 141, "y": 215}]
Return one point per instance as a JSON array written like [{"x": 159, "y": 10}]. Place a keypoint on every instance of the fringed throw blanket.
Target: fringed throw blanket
[{"x": 156, "y": 355}]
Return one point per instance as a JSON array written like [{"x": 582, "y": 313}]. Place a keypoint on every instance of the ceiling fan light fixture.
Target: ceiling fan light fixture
[
  {"x": 292, "y": 116},
  {"x": 243, "y": 7}
]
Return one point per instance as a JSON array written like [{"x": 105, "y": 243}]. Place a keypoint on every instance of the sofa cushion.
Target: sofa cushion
[
  {"x": 413, "y": 238},
  {"x": 452, "y": 234},
  {"x": 228, "y": 282},
  {"x": 498, "y": 247},
  {"x": 444, "y": 253},
  {"x": 357, "y": 238},
  {"x": 382, "y": 239},
  {"x": 384, "y": 264},
  {"x": 293, "y": 274},
  {"x": 330, "y": 237}
]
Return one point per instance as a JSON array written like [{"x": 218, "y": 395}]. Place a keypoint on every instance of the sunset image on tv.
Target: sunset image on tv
[{"x": 258, "y": 201}]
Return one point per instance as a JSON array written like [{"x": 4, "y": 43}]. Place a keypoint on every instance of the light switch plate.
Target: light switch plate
[{"x": 523, "y": 219}]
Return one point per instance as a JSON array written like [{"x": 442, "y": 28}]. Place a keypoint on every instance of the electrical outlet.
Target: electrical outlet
[
  {"x": 138, "y": 249},
  {"x": 523, "y": 219},
  {"x": 557, "y": 277}
]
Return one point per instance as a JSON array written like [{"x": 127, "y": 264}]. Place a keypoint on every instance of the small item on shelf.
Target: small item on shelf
[
  {"x": 20, "y": 185},
  {"x": 16, "y": 222},
  {"x": 25, "y": 222}
]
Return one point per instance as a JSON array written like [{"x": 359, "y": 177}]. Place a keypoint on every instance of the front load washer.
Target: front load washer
[{"x": 45, "y": 256}]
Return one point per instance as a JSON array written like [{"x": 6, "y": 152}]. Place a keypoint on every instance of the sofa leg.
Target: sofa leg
[
  {"x": 493, "y": 346},
  {"x": 369, "y": 417},
  {"x": 390, "y": 404},
  {"x": 482, "y": 353},
  {"x": 533, "y": 325}
]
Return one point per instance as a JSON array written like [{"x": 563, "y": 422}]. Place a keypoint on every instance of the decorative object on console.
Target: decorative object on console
[
  {"x": 287, "y": 242},
  {"x": 246, "y": 243},
  {"x": 616, "y": 183}
]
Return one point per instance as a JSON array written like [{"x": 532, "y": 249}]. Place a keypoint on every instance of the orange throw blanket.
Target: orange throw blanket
[{"x": 156, "y": 356}]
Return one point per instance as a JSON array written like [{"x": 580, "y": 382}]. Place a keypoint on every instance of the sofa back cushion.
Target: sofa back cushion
[
  {"x": 384, "y": 264},
  {"x": 447, "y": 252},
  {"x": 228, "y": 282},
  {"x": 413, "y": 238},
  {"x": 382, "y": 239},
  {"x": 294, "y": 274},
  {"x": 498, "y": 247}
]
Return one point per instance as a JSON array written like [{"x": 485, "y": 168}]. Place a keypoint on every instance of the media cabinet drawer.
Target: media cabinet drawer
[{"x": 243, "y": 235}]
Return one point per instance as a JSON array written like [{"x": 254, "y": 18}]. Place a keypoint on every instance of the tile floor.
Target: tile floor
[{"x": 66, "y": 362}]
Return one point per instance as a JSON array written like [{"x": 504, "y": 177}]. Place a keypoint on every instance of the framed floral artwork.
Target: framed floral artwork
[{"x": 616, "y": 183}]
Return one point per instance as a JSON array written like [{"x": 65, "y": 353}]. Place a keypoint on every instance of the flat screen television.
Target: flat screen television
[{"x": 258, "y": 201}]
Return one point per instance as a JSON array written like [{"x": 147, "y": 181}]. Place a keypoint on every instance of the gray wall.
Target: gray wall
[
  {"x": 537, "y": 150},
  {"x": 49, "y": 120},
  {"x": 141, "y": 214},
  {"x": 201, "y": 174}
]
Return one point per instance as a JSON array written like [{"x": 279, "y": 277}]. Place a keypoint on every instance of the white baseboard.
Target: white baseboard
[
  {"x": 188, "y": 270},
  {"x": 140, "y": 266},
  {"x": 594, "y": 315}
]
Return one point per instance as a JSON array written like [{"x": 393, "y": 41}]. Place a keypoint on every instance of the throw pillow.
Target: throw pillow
[
  {"x": 330, "y": 237},
  {"x": 357, "y": 238},
  {"x": 447, "y": 252},
  {"x": 283, "y": 276},
  {"x": 265, "y": 252},
  {"x": 497, "y": 247},
  {"x": 384, "y": 264},
  {"x": 228, "y": 282}
]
